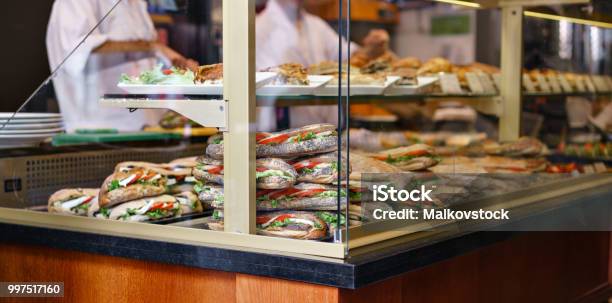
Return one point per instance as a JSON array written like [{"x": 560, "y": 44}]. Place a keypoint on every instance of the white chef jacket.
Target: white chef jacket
[
  {"x": 86, "y": 76},
  {"x": 279, "y": 40}
]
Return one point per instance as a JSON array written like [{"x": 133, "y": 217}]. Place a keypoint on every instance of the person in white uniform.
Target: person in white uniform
[
  {"x": 87, "y": 75},
  {"x": 285, "y": 32}
]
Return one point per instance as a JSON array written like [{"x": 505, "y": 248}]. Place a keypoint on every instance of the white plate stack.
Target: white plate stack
[{"x": 28, "y": 129}]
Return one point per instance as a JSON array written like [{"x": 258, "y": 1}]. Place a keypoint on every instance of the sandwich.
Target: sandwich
[
  {"x": 271, "y": 173},
  {"x": 312, "y": 139},
  {"x": 210, "y": 195},
  {"x": 132, "y": 184},
  {"x": 214, "y": 149},
  {"x": 142, "y": 210},
  {"x": 209, "y": 74},
  {"x": 215, "y": 222},
  {"x": 290, "y": 74},
  {"x": 95, "y": 211},
  {"x": 410, "y": 158},
  {"x": 408, "y": 62},
  {"x": 274, "y": 173},
  {"x": 294, "y": 224},
  {"x": 304, "y": 196},
  {"x": 434, "y": 66},
  {"x": 189, "y": 162},
  {"x": 307, "y": 140},
  {"x": 209, "y": 170},
  {"x": 73, "y": 201},
  {"x": 130, "y": 165},
  {"x": 523, "y": 147},
  {"x": 376, "y": 67},
  {"x": 320, "y": 169},
  {"x": 361, "y": 164},
  {"x": 189, "y": 203},
  {"x": 326, "y": 68},
  {"x": 179, "y": 173},
  {"x": 331, "y": 220}
]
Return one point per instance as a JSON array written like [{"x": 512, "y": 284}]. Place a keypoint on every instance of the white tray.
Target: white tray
[
  {"x": 357, "y": 90},
  {"x": 38, "y": 116},
  {"x": 29, "y": 121},
  {"x": 23, "y": 126},
  {"x": 294, "y": 90},
  {"x": 51, "y": 131},
  {"x": 261, "y": 79},
  {"x": 400, "y": 90}
]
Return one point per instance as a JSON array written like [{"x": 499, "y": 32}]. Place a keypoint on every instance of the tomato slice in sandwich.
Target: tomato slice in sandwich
[
  {"x": 149, "y": 176},
  {"x": 161, "y": 205},
  {"x": 261, "y": 136},
  {"x": 215, "y": 170},
  {"x": 308, "y": 192},
  {"x": 263, "y": 192},
  {"x": 283, "y": 193},
  {"x": 277, "y": 139},
  {"x": 265, "y": 219}
]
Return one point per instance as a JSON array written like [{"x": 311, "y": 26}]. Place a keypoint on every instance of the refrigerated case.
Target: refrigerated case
[{"x": 238, "y": 106}]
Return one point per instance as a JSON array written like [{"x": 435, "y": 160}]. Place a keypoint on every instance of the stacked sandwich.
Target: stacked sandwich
[
  {"x": 294, "y": 176},
  {"x": 136, "y": 191}
]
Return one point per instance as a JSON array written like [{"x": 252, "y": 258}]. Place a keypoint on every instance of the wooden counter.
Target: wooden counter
[{"x": 532, "y": 267}]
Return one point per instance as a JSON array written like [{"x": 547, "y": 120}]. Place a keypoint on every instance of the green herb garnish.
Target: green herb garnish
[{"x": 114, "y": 185}]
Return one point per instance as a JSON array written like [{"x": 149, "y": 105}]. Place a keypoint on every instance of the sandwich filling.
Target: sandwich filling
[
  {"x": 151, "y": 210},
  {"x": 263, "y": 172},
  {"x": 75, "y": 203},
  {"x": 287, "y": 221},
  {"x": 289, "y": 194},
  {"x": 314, "y": 167},
  {"x": 182, "y": 200},
  {"x": 146, "y": 178},
  {"x": 286, "y": 138}
]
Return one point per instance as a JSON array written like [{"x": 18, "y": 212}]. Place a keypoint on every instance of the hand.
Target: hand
[
  {"x": 177, "y": 59},
  {"x": 185, "y": 63},
  {"x": 376, "y": 43}
]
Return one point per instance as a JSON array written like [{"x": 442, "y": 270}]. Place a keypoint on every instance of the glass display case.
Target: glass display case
[{"x": 275, "y": 127}]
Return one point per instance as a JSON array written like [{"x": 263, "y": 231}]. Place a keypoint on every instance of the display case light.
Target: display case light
[
  {"x": 568, "y": 19},
  {"x": 460, "y": 2}
]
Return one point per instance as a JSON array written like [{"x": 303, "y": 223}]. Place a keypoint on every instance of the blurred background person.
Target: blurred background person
[{"x": 125, "y": 42}]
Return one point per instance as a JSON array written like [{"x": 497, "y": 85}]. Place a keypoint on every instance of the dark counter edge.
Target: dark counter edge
[{"x": 353, "y": 273}]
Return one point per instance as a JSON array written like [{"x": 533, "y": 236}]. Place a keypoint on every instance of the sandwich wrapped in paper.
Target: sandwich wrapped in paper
[
  {"x": 304, "y": 196},
  {"x": 307, "y": 140},
  {"x": 189, "y": 203},
  {"x": 292, "y": 224},
  {"x": 410, "y": 158},
  {"x": 148, "y": 209},
  {"x": 321, "y": 169},
  {"x": 128, "y": 185},
  {"x": 74, "y": 201}
]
